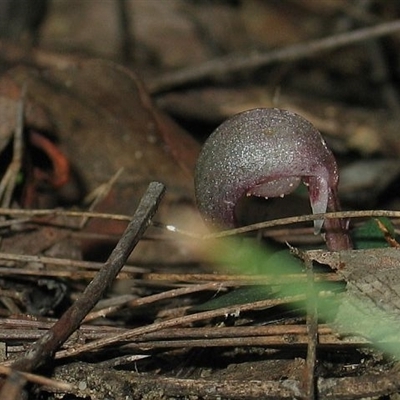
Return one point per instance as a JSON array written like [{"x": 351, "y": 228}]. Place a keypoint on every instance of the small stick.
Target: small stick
[
  {"x": 169, "y": 294},
  {"x": 174, "y": 322},
  {"x": 99, "y": 195},
  {"x": 16, "y": 212},
  {"x": 124, "y": 25},
  {"x": 8, "y": 182},
  {"x": 234, "y": 63},
  {"x": 298, "y": 219},
  {"x": 39, "y": 379},
  {"x": 46, "y": 346},
  {"x": 309, "y": 384}
]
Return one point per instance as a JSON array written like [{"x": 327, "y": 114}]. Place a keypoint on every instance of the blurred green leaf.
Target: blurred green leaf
[
  {"x": 370, "y": 236},
  {"x": 358, "y": 313},
  {"x": 242, "y": 295}
]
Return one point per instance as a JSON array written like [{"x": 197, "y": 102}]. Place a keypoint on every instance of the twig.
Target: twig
[
  {"x": 273, "y": 341},
  {"x": 309, "y": 383},
  {"x": 65, "y": 213},
  {"x": 169, "y": 294},
  {"x": 41, "y": 380},
  {"x": 61, "y": 262},
  {"x": 233, "y": 63},
  {"x": 226, "y": 280},
  {"x": 8, "y": 182},
  {"x": 173, "y": 322},
  {"x": 231, "y": 232},
  {"x": 270, "y": 336},
  {"x": 46, "y": 346},
  {"x": 99, "y": 194},
  {"x": 298, "y": 219},
  {"x": 136, "y": 273},
  {"x": 117, "y": 361},
  {"x": 125, "y": 31}
]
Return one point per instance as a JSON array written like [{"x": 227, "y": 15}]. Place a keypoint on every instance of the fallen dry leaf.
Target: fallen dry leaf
[
  {"x": 103, "y": 120},
  {"x": 370, "y": 307}
]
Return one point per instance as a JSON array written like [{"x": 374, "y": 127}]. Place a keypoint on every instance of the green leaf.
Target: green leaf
[
  {"x": 356, "y": 314},
  {"x": 257, "y": 261},
  {"x": 242, "y": 295},
  {"x": 370, "y": 235}
]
